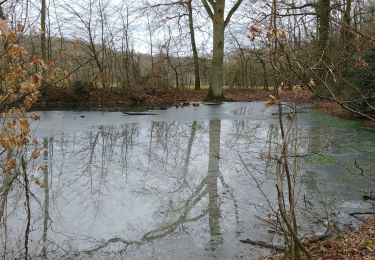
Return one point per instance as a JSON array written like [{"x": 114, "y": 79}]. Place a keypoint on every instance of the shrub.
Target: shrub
[
  {"x": 362, "y": 75},
  {"x": 82, "y": 88}
]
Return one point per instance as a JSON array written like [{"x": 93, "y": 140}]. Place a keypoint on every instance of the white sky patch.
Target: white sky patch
[{"x": 116, "y": 19}]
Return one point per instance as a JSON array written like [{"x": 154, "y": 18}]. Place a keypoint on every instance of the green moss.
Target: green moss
[
  {"x": 343, "y": 122},
  {"x": 367, "y": 146},
  {"x": 332, "y": 121},
  {"x": 211, "y": 98},
  {"x": 318, "y": 159}
]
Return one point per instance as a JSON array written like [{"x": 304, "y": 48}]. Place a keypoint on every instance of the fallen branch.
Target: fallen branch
[
  {"x": 289, "y": 113},
  {"x": 368, "y": 197},
  {"x": 139, "y": 114},
  {"x": 361, "y": 213},
  {"x": 314, "y": 239},
  {"x": 263, "y": 244}
]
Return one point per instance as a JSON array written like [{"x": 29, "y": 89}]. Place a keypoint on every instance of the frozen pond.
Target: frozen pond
[{"x": 179, "y": 183}]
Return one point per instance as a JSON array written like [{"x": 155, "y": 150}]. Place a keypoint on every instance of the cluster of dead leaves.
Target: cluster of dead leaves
[
  {"x": 355, "y": 245},
  {"x": 254, "y": 31},
  {"x": 271, "y": 100},
  {"x": 359, "y": 244},
  {"x": 271, "y": 34},
  {"x": 14, "y": 136},
  {"x": 298, "y": 92},
  {"x": 6, "y": 33},
  {"x": 21, "y": 78}
]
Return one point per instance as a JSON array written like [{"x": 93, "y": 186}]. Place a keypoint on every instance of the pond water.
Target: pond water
[{"x": 180, "y": 183}]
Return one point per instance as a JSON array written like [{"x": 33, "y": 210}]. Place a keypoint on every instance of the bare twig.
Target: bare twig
[{"x": 27, "y": 194}]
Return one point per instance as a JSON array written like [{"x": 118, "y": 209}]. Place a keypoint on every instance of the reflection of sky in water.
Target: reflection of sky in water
[{"x": 173, "y": 184}]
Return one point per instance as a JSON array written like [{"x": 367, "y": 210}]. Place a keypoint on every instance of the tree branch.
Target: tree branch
[
  {"x": 208, "y": 9},
  {"x": 232, "y": 11},
  {"x": 292, "y": 6},
  {"x": 212, "y": 3}
]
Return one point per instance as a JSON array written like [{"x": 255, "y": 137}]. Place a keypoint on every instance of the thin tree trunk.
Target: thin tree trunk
[
  {"x": 43, "y": 30},
  {"x": 151, "y": 44},
  {"x": 265, "y": 81},
  {"x": 46, "y": 199},
  {"x": 324, "y": 19},
  {"x": 43, "y": 46},
  {"x": 346, "y": 34},
  {"x": 197, "y": 84}
]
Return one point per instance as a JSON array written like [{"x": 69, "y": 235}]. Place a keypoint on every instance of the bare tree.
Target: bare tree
[
  {"x": 43, "y": 30},
  {"x": 197, "y": 84},
  {"x": 216, "y": 11}
]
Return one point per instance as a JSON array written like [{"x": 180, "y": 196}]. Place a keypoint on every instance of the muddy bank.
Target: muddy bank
[
  {"x": 116, "y": 99},
  {"x": 144, "y": 98},
  {"x": 149, "y": 97}
]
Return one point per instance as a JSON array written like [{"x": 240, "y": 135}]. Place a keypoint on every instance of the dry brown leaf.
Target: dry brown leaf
[
  {"x": 42, "y": 168},
  {"x": 35, "y": 117},
  {"x": 282, "y": 35},
  {"x": 11, "y": 164},
  {"x": 297, "y": 89},
  {"x": 271, "y": 100},
  {"x": 35, "y": 154},
  {"x": 20, "y": 27}
]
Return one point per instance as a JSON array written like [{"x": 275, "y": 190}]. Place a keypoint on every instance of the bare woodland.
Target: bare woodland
[{"x": 64, "y": 50}]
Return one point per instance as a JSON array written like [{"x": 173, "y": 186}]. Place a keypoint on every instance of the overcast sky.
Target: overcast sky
[{"x": 71, "y": 18}]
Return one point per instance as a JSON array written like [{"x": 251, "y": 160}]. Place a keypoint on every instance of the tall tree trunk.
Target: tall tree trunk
[
  {"x": 215, "y": 11},
  {"x": 43, "y": 30},
  {"x": 43, "y": 44},
  {"x": 197, "y": 84},
  {"x": 324, "y": 20},
  {"x": 348, "y": 8},
  {"x": 127, "y": 67},
  {"x": 346, "y": 35},
  {"x": 217, "y": 75},
  {"x": 150, "y": 33},
  {"x": 275, "y": 49}
]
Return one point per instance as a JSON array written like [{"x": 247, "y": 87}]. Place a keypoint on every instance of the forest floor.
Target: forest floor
[
  {"x": 146, "y": 97},
  {"x": 143, "y": 98},
  {"x": 149, "y": 97},
  {"x": 357, "y": 244}
]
